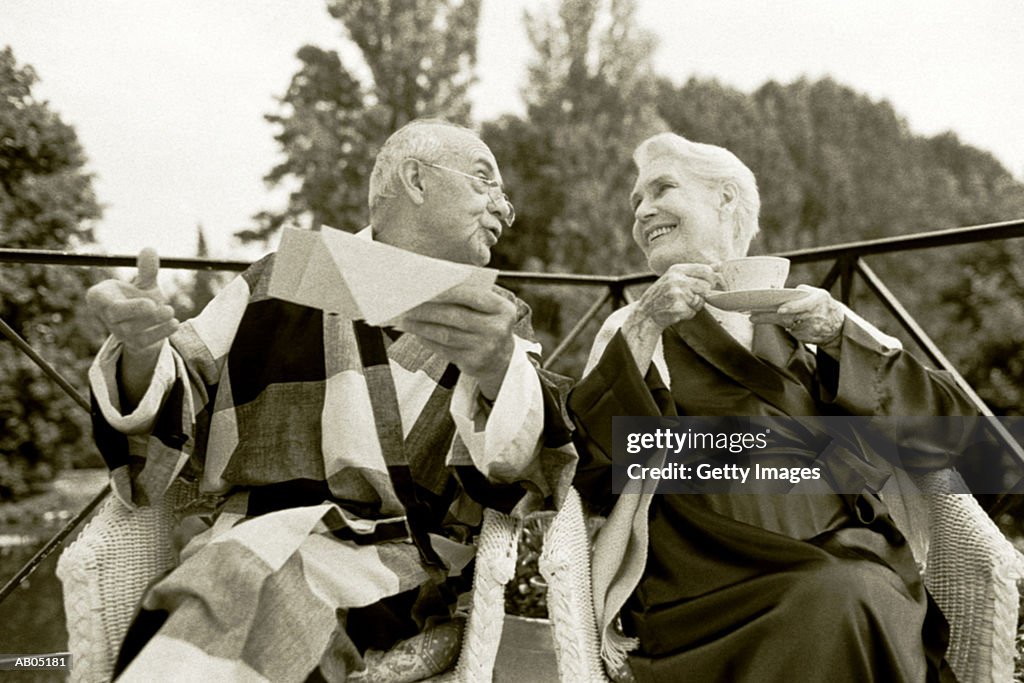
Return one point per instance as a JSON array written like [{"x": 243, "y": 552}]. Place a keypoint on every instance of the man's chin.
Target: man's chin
[{"x": 481, "y": 257}]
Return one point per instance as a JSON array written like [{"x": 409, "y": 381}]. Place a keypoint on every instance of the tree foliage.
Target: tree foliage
[
  {"x": 567, "y": 164},
  {"x": 46, "y": 202},
  {"x": 834, "y": 166},
  {"x": 590, "y": 100},
  {"x": 420, "y": 55}
]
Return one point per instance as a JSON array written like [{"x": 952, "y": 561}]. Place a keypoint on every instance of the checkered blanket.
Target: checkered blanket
[{"x": 335, "y": 444}]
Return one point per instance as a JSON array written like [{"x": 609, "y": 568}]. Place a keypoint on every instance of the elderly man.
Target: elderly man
[{"x": 357, "y": 457}]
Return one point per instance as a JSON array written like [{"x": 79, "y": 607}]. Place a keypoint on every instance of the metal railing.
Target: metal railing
[{"x": 848, "y": 264}]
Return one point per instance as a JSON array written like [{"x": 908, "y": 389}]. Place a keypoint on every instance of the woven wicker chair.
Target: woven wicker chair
[
  {"x": 973, "y": 573},
  {"x": 970, "y": 568},
  {"x": 105, "y": 572},
  {"x": 120, "y": 551}
]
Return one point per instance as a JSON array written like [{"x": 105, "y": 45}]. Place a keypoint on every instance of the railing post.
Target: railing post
[
  {"x": 847, "y": 266},
  {"x": 617, "y": 292}
]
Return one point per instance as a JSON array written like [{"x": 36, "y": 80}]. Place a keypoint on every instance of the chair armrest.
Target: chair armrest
[
  {"x": 495, "y": 566},
  {"x": 972, "y": 572},
  {"x": 565, "y": 565},
  {"x": 105, "y": 572}
]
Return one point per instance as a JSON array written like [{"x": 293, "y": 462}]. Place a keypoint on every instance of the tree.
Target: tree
[
  {"x": 46, "y": 202},
  {"x": 203, "y": 287},
  {"x": 590, "y": 100},
  {"x": 567, "y": 163},
  {"x": 420, "y": 55},
  {"x": 981, "y": 288}
]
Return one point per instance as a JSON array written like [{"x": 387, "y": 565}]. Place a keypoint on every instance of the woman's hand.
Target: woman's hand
[
  {"x": 675, "y": 296},
  {"x": 813, "y": 319}
]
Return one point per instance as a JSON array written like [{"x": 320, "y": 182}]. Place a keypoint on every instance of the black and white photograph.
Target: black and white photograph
[{"x": 529, "y": 341}]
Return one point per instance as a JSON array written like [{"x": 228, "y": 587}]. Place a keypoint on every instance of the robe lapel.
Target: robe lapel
[{"x": 766, "y": 374}]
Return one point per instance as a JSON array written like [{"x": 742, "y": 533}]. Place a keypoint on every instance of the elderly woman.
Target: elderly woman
[{"x": 725, "y": 587}]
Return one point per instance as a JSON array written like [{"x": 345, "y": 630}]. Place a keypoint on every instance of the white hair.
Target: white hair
[
  {"x": 713, "y": 165},
  {"x": 418, "y": 139}
]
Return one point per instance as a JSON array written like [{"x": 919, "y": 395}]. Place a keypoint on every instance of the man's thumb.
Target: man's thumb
[{"x": 149, "y": 265}]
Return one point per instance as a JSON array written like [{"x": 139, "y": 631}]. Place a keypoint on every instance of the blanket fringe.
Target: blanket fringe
[{"x": 615, "y": 648}]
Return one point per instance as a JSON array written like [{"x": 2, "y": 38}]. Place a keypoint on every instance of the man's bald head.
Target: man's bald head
[{"x": 429, "y": 140}]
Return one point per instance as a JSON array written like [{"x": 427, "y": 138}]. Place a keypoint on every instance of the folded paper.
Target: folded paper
[{"x": 360, "y": 279}]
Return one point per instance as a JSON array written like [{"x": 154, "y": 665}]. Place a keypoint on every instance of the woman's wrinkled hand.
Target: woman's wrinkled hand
[
  {"x": 813, "y": 319},
  {"x": 677, "y": 295}
]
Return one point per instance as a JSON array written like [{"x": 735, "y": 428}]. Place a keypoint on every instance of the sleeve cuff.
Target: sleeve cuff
[
  {"x": 864, "y": 352},
  {"x": 104, "y": 385},
  {"x": 861, "y": 330},
  {"x": 502, "y": 444}
]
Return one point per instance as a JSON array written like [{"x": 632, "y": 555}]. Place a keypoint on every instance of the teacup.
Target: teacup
[{"x": 754, "y": 272}]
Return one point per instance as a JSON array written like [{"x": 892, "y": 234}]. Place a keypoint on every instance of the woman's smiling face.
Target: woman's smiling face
[{"x": 679, "y": 218}]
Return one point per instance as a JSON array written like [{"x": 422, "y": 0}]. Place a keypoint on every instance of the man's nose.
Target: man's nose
[
  {"x": 502, "y": 210},
  {"x": 495, "y": 222}
]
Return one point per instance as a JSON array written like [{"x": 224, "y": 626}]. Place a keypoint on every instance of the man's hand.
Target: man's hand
[
  {"x": 813, "y": 319},
  {"x": 138, "y": 315},
  {"x": 470, "y": 327},
  {"x": 134, "y": 312}
]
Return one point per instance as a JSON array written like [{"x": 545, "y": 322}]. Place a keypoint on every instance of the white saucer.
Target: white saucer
[{"x": 753, "y": 299}]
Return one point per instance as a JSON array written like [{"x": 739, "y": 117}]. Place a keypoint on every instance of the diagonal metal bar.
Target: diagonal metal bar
[
  {"x": 578, "y": 328},
  {"x": 58, "y": 538},
  {"x": 918, "y": 334},
  {"x": 51, "y": 545},
  {"x": 27, "y": 349},
  {"x": 921, "y": 337},
  {"x": 831, "y": 276}
]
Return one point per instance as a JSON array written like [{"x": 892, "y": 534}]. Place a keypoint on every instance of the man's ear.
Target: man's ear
[
  {"x": 410, "y": 174},
  {"x": 729, "y": 197}
]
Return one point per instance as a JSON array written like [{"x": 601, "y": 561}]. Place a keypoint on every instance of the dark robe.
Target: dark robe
[{"x": 772, "y": 587}]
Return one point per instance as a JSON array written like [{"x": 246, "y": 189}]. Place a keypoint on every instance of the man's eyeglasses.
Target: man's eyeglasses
[{"x": 491, "y": 187}]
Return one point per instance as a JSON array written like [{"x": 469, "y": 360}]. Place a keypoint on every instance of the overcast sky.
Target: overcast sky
[{"x": 168, "y": 96}]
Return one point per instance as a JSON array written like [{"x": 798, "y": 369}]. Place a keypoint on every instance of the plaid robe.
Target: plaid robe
[{"x": 343, "y": 448}]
